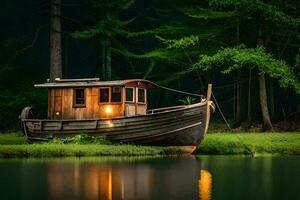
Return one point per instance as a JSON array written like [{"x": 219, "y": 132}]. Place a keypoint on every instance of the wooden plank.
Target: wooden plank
[{"x": 164, "y": 128}]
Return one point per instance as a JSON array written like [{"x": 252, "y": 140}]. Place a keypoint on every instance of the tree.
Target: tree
[
  {"x": 228, "y": 60},
  {"x": 108, "y": 29},
  {"x": 266, "y": 18},
  {"x": 265, "y": 21},
  {"x": 55, "y": 41},
  {"x": 183, "y": 30}
]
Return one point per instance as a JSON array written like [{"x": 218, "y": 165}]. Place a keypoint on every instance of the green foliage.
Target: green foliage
[
  {"x": 13, "y": 138},
  {"x": 160, "y": 41},
  {"x": 14, "y": 145},
  {"x": 107, "y": 17},
  {"x": 251, "y": 7},
  {"x": 250, "y": 143},
  {"x": 81, "y": 139},
  {"x": 188, "y": 100},
  {"x": 228, "y": 60},
  {"x": 213, "y": 143},
  {"x": 207, "y": 14},
  {"x": 15, "y": 94},
  {"x": 181, "y": 43},
  {"x": 174, "y": 30},
  {"x": 108, "y": 28}
]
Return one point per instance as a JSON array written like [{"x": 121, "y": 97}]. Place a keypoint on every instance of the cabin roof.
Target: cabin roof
[{"x": 63, "y": 83}]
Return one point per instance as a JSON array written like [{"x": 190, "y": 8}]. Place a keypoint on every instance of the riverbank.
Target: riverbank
[
  {"x": 250, "y": 143},
  {"x": 14, "y": 145}
]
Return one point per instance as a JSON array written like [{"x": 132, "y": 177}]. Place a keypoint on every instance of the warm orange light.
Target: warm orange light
[
  {"x": 205, "y": 185},
  {"x": 109, "y": 185},
  {"x": 108, "y": 110},
  {"x": 110, "y": 123}
]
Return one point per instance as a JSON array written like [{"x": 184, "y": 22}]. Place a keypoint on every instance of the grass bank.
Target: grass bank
[
  {"x": 14, "y": 145},
  {"x": 17, "y": 146},
  {"x": 250, "y": 143}
]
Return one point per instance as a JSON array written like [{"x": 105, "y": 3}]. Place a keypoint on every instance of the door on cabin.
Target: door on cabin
[
  {"x": 141, "y": 100},
  {"x": 57, "y": 104},
  {"x": 130, "y": 109}
]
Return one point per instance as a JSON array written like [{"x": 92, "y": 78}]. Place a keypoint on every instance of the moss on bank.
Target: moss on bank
[
  {"x": 250, "y": 143},
  {"x": 14, "y": 145}
]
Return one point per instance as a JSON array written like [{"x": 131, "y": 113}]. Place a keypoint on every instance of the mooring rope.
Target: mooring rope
[
  {"x": 223, "y": 116},
  {"x": 182, "y": 92},
  {"x": 221, "y": 112},
  {"x": 202, "y": 96},
  {"x": 236, "y": 135}
]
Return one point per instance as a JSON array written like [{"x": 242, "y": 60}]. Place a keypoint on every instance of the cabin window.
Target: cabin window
[
  {"x": 129, "y": 94},
  {"x": 79, "y": 97},
  {"x": 116, "y": 94},
  {"x": 104, "y": 95},
  {"x": 141, "y": 95}
]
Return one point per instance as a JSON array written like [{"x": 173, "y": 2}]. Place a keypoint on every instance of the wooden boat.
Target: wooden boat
[{"x": 118, "y": 111}]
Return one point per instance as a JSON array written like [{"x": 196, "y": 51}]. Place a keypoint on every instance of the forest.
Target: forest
[{"x": 248, "y": 49}]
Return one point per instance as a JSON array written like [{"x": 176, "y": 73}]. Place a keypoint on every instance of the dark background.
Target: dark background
[{"x": 24, "y": 54}]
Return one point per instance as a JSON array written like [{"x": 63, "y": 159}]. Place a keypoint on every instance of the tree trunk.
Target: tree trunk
[
  {"x": 234, "y": 100},
  {"x": 249, "y": 113},
  {"x": 238, "y": 100},
  {"x": 267, "y": 125},
  {"x": 65, "y": 56},
  {"x": 238, "y": 31},
  {"x": 237, "y": 86},
  {"x": 106, "y": 60},
  {"x": 103, "y": 71},
  {"x": 55, "y": 41},
  {"x": 271, "y": 99},
  {"x": 236, "y": 82}
]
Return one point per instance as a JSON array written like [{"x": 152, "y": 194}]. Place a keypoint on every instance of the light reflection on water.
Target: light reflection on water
[
  {"x": 205, "y": 184},
  {"x": 165, "y": 178},
  {"x": 203, "y": 178}
]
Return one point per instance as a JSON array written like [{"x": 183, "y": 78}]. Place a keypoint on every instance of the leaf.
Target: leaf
[{"x": 228, "y": 60}]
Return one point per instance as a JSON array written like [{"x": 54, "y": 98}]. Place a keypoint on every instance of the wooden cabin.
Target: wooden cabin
[{"x": 94, "y": 99}]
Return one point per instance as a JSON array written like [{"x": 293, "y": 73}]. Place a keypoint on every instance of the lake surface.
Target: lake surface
[{"x": 204, "y": 177}]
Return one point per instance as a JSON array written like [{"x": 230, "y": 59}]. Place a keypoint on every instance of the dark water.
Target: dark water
[{"x": 205, "y": 177}]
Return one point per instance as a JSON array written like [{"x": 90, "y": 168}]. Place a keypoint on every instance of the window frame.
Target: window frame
[
  {"x": 133, "y": 95},
  {"x": 75, "y": 105},
  {"x": 121, "y": 93},
  {"x": 137, "y": 96},
  {"x": 109, "y": 95}
]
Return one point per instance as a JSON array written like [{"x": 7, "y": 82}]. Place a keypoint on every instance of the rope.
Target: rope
[
  {"x": 239, "y": 139},
  {"x": 215, "y": 100},
  {"x": 199, "y": 95},
  {"x": 182, "y": 92},
  {"x": 220, "y": 111}
]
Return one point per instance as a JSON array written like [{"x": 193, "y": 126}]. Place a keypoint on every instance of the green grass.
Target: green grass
[
  {"x": 250, "y": 143},
  {"x": 12, "y": 138},
  {"x": 15, "y": 145},
  {"x": 62, "y": 150}
]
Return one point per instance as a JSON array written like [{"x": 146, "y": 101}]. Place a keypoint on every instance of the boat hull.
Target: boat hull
[{"x": 185, "y": 126}]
